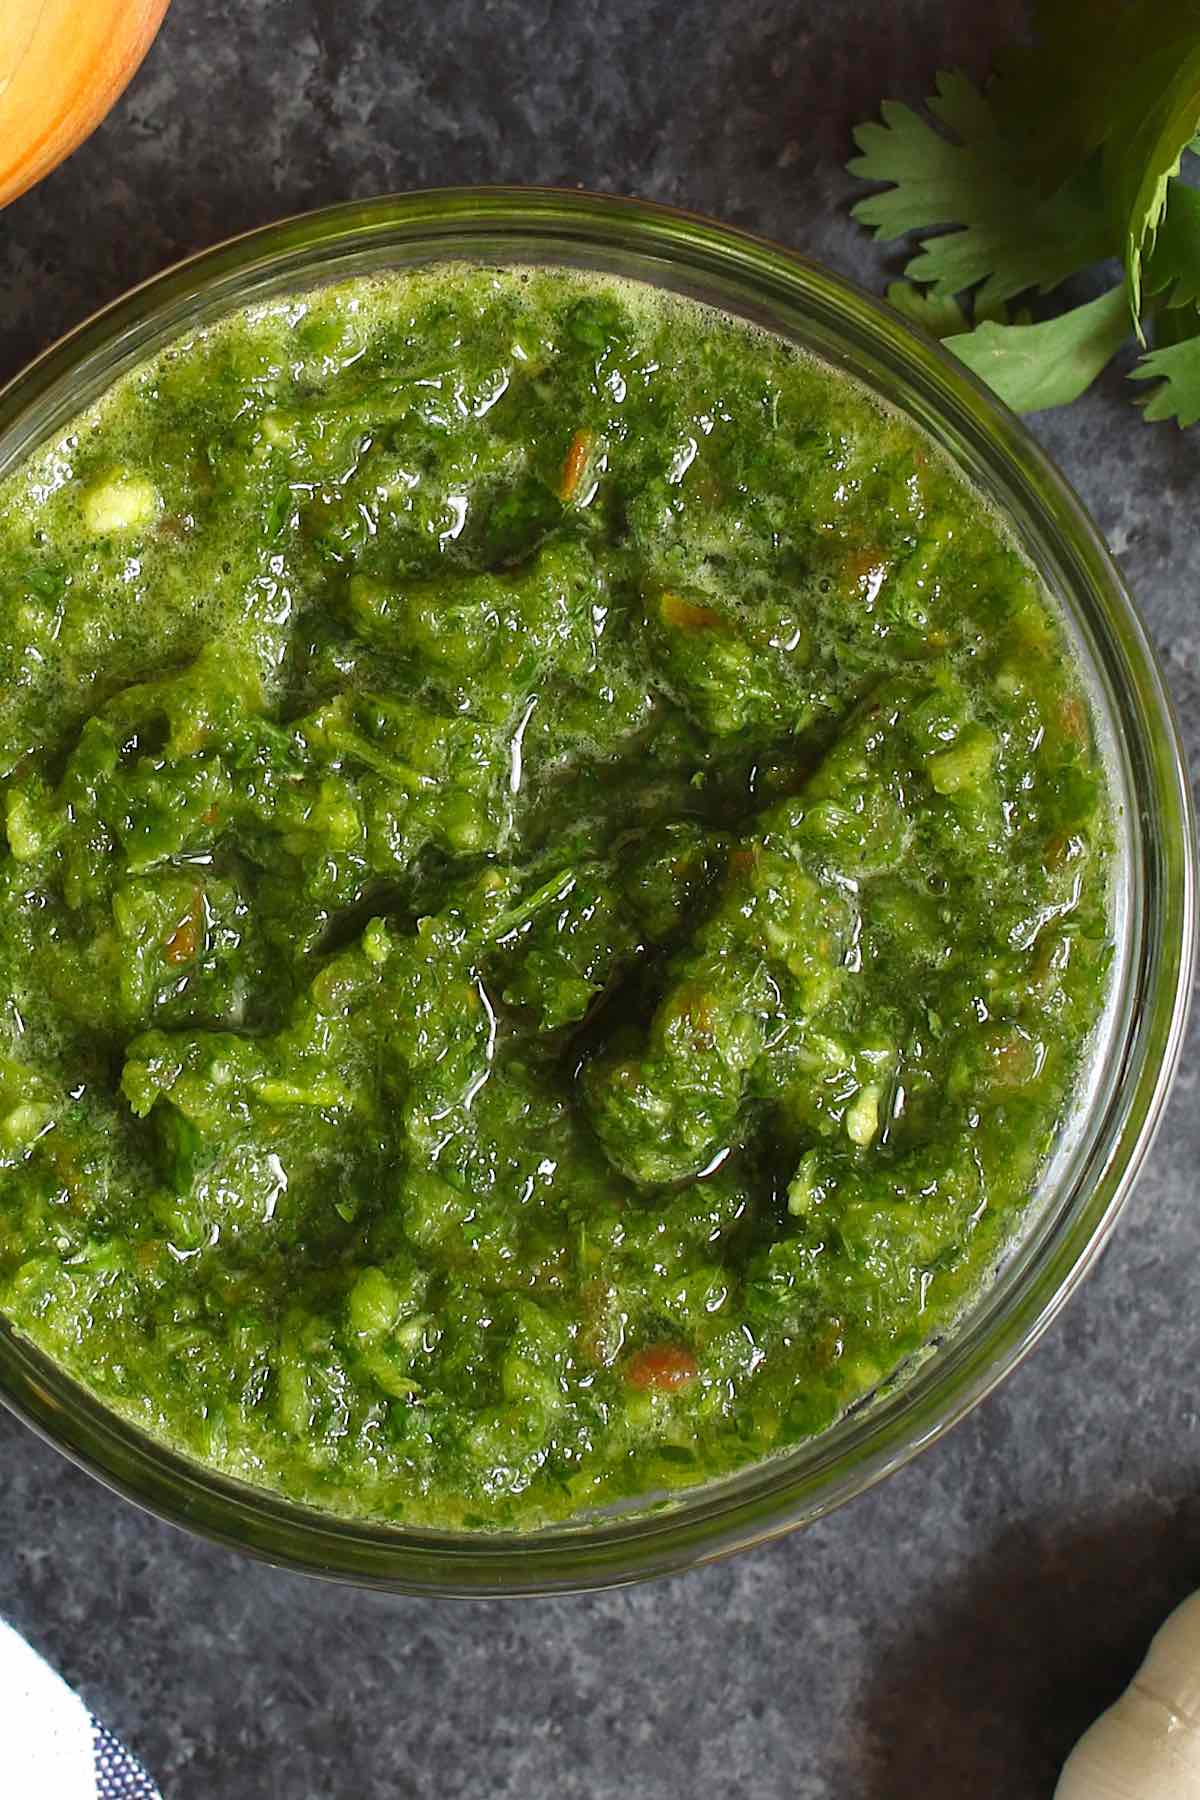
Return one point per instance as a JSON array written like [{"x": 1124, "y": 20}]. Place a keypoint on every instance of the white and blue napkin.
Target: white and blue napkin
[{"x": 53, "y": 1748}]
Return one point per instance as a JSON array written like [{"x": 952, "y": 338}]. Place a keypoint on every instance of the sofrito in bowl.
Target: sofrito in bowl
[{"x": 596, "y": 898}]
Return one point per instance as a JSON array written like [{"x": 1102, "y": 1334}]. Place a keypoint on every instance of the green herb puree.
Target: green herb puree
[{"x": 553, "y": 892}]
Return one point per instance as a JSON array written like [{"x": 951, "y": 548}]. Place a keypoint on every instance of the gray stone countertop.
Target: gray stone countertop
[{"x": 948, "y": 1634}]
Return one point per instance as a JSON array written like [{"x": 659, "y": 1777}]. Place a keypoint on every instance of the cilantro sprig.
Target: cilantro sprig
[{"x": 1069, "y": 159}]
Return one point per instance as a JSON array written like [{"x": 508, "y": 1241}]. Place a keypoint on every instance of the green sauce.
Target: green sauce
[{"x": 553, "y": 894}]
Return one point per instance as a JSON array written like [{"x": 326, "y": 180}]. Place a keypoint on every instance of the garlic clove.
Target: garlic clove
[{"x": 1147, "y": 1745}]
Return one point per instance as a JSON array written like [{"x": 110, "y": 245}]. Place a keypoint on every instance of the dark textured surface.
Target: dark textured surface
[{"x": 947, "y": 1635}]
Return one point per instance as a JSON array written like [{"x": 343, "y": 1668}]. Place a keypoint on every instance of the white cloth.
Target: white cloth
[{"x": 51, "y": 1748}]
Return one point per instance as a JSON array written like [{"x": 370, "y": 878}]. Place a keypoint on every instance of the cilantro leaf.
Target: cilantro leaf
[
  {"x": 1173, "y": 269},
  {"x": 1060, "y": 97},
  {"x": 1175, "y": 363},
  {"x": 940, "y": 315},
  {"x": 1011, "y": 236},
  {"x": 1049, "y": 364},
  {"x": 1001, "y": 314},
  {"x": 1160, "y": 115},
  {"x": 1071, "y": 156},
  {"x": 1174, "y": 325}
]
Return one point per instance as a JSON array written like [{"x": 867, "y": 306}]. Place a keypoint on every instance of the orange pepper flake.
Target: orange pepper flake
[
  {"x": 859, "y": 563},
  {"x": 697, "y": 1010},
  {"x": 576, "y": 464},
  {"x": 661, "y": 1367},
  {"x": 1060, "y": 848},
  {"x": 211, "y": 816},
  {"x": 184, "y": 941},
  {"x": 689, "y": 615},
  {"x": 865, "y": 570},
  {"x": 1072, "y": 718}
]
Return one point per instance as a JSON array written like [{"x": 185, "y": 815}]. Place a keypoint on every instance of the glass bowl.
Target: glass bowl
[{"x": 1138, "y": 1043}]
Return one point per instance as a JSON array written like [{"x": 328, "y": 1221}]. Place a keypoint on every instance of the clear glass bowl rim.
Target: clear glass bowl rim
[{"x": 758, "y": 279}]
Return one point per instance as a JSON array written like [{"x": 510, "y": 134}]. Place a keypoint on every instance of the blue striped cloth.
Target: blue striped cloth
[{"x": 53, "y": 1748}]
